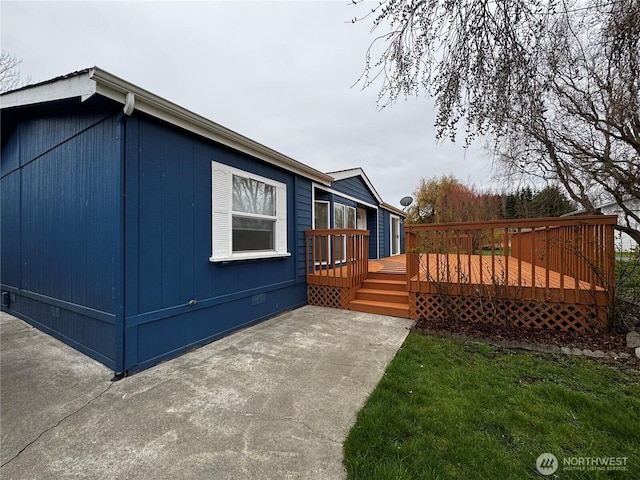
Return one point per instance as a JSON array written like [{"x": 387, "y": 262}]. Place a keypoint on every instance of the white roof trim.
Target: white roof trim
[
  {"x": 395, "y": 210},
  {"x": 355, "y": 172},
  {"x": 345, "y": 196},
  {"x": 78, "y": 85},
  {"x": 86, "y": 83}
]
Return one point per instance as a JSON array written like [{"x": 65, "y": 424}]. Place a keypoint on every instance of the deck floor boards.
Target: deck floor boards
[{"x": 472, "y": 269}]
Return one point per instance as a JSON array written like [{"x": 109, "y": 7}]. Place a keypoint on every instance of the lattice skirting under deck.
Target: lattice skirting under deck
[
  {"x": 328, "y": 296},
  {"x": 519, "y": 313}
]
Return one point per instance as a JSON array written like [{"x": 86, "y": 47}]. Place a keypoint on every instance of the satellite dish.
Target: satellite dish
[{"x": 406, "y": 201}]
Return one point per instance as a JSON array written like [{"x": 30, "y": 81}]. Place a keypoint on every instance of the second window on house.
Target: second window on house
[
  {"x": 253, "y": 213},
  {"x": 344, "y": 216},
  {"x": 249, "y": 215}
]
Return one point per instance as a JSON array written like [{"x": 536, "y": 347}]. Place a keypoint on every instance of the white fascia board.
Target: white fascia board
[
  {"x": 115, "y": 88},
  {"x": 345, "y": 196},
  {"x": 355, "y": 172},
  {"x": 394, "y": 210},
  {"x": 93, "y": 81},
  {"x": 79, "y": 85}
]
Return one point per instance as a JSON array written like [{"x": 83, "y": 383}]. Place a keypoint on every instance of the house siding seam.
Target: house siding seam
[
  {"x": 176, "y": 298},
  {"x": 58, "y": 173}
]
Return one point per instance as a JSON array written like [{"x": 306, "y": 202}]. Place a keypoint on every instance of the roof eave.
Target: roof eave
[
  {"x": 115, "y": 88},
  {"x": 92, "y": 81},
  {"x": 393, "y": 209},
  {"x": 357, "y": 172}
]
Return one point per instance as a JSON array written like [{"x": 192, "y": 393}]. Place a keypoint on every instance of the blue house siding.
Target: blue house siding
[
  {"x": 106, "y": 222},
  {"x": 60, "y": 224},
  {"x": 383, "y": 229},
  {"x": 355, "y": 187},
  {"x": 372, "y": 225},
  {"x": 303, "y": 221},
  {"x": 175, "y": 297}
]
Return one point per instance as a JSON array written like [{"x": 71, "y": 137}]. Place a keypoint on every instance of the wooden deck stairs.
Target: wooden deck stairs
[{"x": 383, "y": 294}]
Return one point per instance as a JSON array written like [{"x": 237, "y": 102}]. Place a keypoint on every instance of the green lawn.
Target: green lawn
[{"x": 449, "y": 409}]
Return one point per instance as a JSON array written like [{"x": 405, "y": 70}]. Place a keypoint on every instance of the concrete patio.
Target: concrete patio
[{"x": 273, "y": 401}]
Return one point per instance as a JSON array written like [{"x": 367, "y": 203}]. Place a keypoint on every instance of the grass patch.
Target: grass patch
[{"x": 448, "y": 409}]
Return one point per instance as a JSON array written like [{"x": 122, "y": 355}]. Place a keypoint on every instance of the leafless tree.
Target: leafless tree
[
  {"x": 9, "y": 71},
  {"x": 584, "y": 131},
  {"x": 554, "y": 83}
]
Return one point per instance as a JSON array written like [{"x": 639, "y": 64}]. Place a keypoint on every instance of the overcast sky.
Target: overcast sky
[{"x": 280, "y": 73}]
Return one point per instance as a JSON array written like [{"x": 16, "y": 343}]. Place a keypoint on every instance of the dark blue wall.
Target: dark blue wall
[
  {"x": 168, "y": 245},
  {"x": 106, "y": 234},
  {"x": 355, "y": 187},
  {"x": 60, "y": 217},
  {"x": 383, "y": 237}
]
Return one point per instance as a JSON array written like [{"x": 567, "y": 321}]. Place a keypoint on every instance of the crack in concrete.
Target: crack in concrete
[
  {"x": 57, "y": 424},
  {"x": 284, "y": 418}
]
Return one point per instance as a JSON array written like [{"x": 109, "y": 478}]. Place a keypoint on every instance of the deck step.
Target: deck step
[
  {"x": 389, "y": 296},
  {"x": 383, "y": 294},
  {"x": 386, "y": 276},
  {"x": 380, "y": 284},
  {"x": 380, "y": 308}
]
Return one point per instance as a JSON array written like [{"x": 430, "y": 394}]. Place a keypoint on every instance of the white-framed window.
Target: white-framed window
[
  {"x": 321, "y": 221},
  {"x": 249, "y": 215},
  {"x": 343, "y": 217},
  {"x": 321, "y": 218}
]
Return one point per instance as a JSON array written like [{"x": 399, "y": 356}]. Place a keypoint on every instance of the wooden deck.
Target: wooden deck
[
  {"x": 494, "y": 270},
  {"x": 468, "y": 269},
  {"x": 392, "y": 265},
  {"x": 552, "y": 273}
]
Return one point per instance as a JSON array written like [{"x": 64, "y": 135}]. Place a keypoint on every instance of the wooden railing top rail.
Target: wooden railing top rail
[
  {"x": 516, "y": 223},
  {"x": 337, "y": 231}
]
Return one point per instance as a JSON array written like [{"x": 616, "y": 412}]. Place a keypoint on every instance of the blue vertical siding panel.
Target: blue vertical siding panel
[
  {"x": 63, "y": 192},
  {"x": 131, "y": 218},
  {"x": 10, "y": 239},
  {"x": 43, "y": 133},
  {"x": 10, "y": 160},
  {"x": 69, "y": 219},
  {"x": 203, "y": 277},
  {"x": 383, "y": 238},
  {"x": 149, "y": 250},
  {"x": 372, "y": 225},
  {"x": 304, "y": 222}
]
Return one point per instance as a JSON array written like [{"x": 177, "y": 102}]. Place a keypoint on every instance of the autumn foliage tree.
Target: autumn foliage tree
[{"x": 446, "y": 199}]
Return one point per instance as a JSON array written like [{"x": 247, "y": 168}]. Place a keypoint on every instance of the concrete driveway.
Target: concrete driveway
[{"x": 274, "y": 401}]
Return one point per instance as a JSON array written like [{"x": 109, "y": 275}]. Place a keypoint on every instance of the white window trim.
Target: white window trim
[
  {"x": 345, "y": 210},
  {"x": 378, "y": 230},
  {"x": 392, "y": 240},
  {"x": 328, "y": 204},
  {"x": 222, "y": 212}
]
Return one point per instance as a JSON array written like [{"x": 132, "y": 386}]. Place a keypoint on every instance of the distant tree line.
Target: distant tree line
[{"x": 446, "y": 199}]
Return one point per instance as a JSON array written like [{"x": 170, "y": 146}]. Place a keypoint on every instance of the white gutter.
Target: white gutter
[
  {"x": 115, "y": 88},
  {"x": 87, "y": 83}
]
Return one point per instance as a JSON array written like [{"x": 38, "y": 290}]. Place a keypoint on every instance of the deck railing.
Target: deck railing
[
  {"x": 566, "y": 253},
  {"x": 337, "y": 257}
]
